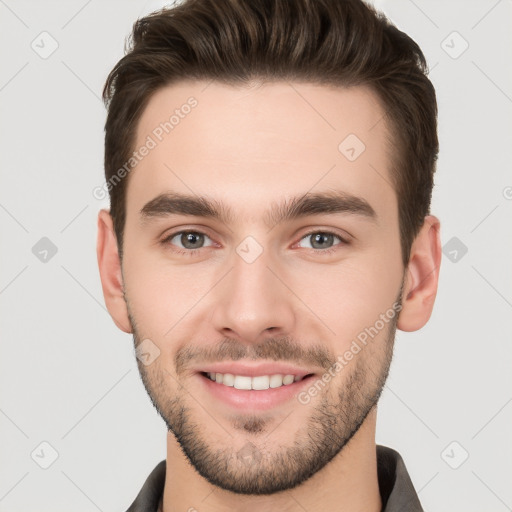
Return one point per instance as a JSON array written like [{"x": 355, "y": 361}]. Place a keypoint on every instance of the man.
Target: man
[{"x": 270, "y": 167}]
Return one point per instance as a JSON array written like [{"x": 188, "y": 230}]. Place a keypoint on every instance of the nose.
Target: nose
[{"x": 253, "y": 302}]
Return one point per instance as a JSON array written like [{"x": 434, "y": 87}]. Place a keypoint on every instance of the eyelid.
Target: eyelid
[
  {"x": 342, "y": 235},
  {"x": 344, "y": 239},
  {"x": 166, "y": 238}
]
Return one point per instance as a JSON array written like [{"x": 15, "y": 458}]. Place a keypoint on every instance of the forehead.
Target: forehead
[{"x": 247, "y": 145}]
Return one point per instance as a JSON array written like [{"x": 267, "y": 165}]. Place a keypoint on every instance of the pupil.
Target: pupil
[
  {"x": 191, "y": 238},
  {"x": 322, "y": 236}
]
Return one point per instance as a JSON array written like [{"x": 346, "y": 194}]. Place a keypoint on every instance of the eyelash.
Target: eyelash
[{"x": 192, "y": 252}]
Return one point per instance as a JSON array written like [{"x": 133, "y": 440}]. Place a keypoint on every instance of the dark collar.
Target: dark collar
[{"x": 396, "y": 488}]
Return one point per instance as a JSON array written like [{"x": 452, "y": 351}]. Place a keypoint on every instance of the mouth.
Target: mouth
[
  {"x": 254, "y": 383},
  {"x": 251, "y": 389}
]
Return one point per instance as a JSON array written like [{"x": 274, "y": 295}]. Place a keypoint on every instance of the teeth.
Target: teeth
[
  {"x": 242, "y": 382},
  {"x": 287, "y": 379},
  {"x": 276, "y": 381},
  {"x": 260, "y": 382},
  {"x": 227, "y": 379}
]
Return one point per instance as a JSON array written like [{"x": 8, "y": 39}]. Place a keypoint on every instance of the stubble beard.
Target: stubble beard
[{"x": 247, "y": 466}]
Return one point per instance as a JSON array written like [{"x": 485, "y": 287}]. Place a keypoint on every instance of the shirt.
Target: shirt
[{"x": 395, "y": 486}]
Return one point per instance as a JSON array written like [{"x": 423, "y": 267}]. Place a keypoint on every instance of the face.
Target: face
[{"x": 261, "y": 242}]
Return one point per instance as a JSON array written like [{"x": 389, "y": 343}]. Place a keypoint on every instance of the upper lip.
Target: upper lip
[{"x": 253, "y": 370}]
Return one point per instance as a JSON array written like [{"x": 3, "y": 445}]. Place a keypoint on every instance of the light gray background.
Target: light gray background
[{"x": 68, "y": 377}]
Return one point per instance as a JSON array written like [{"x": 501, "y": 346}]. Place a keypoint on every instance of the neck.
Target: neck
[{"x": 349, "y": 483}]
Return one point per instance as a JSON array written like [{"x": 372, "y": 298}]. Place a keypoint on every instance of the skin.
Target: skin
[{"x": 248, "y": 148}]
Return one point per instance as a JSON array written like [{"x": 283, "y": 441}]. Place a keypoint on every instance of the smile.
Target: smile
[{"x": 258, "y": 382}]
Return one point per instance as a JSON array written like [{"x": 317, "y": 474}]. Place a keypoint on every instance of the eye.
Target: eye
[
  {"x": 322, "y": 240},
  {"x": 191, "y": 241}
]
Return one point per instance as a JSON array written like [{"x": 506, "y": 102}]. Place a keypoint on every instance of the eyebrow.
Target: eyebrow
[{"x": 331, "y": 202}]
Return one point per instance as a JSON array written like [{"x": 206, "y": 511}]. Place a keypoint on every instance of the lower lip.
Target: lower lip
[{"x": 252, "y": 399}]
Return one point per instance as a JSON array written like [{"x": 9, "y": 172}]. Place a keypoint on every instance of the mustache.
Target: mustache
[{"x": 275, "y": 349}]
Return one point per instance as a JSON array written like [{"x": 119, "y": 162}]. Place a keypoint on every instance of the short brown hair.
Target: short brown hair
[{"x": 327, "y": 42}]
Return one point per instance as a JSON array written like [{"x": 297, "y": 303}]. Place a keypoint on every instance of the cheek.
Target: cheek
[
  {"x": 162, "y": 296},
  {"x": 350, "y": 295}
]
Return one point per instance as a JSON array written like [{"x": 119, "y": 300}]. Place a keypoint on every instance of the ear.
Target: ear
[
  {"x": 422, "y": 275},
  {"x": 110, "y": 272}
]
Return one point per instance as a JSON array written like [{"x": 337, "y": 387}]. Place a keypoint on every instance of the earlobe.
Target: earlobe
[
  {"x": 110, "y": 272},
  {"x": 422, "y": 276}
]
